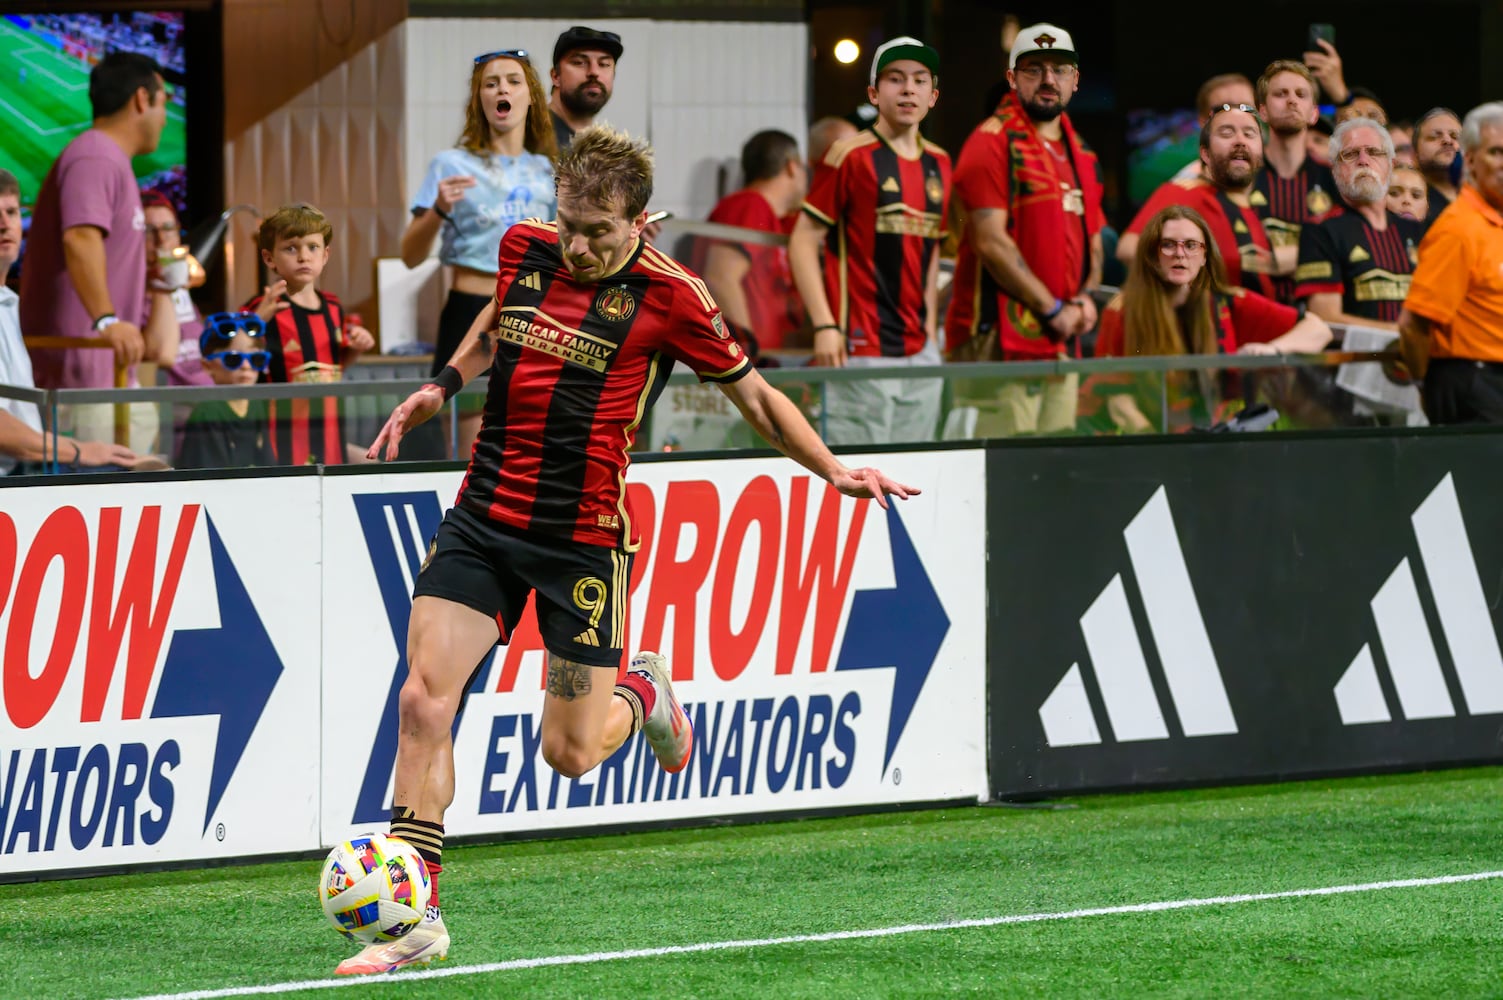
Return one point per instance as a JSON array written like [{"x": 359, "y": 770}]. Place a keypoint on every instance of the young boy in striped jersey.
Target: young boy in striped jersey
[
  {"x": 882, "y": 208},
  {"x": 308, "y": 333}
]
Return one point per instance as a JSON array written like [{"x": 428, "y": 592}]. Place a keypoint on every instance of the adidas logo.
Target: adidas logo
[
  {"x": 533, "y": 281},
  {"x": 1239, "y": 227},
  {"x": 1358, "y": 255},
  {"x": 1405, "y": 638},
  {"x": 1116, "y": 650},
  {"x": 587, "y": 638},
  {"x": 891, "y": 185}
]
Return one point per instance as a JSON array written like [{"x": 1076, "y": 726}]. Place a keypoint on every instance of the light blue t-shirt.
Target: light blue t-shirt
[{"x": 507, "y": 189}]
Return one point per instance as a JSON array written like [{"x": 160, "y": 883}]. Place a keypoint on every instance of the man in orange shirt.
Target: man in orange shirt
[{"x": 1451, "y": 327}]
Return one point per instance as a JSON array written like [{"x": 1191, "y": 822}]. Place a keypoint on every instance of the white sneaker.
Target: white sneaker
[
  {"x": 425, "y": 942},
  {"x": 667, "y": 729}
]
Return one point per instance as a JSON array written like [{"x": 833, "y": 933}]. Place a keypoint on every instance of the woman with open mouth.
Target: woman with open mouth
[
  {"x": 499, "y": 172},
  {"x": 1177, "y": 301}
]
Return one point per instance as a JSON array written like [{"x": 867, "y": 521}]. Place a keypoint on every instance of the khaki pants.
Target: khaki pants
[
  {"x": 1015, "y": 406},
  {"x": 885, "y": 410},
  {"x": 1035, "y": 406},
  {"x": 96, "y": 422}
]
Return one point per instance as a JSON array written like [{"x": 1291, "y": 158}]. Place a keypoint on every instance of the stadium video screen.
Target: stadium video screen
[
  {"x": 44, "y": 90},
  {"x": 1159, "y": 144}
]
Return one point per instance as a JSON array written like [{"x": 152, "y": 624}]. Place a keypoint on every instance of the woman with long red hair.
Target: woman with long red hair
[
  {"x": 1177, "y": 301},
  {"x": 499, "y": 172}
]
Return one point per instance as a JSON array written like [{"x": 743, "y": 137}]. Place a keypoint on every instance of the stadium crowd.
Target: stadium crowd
[{"x": 1290, "y": 228}]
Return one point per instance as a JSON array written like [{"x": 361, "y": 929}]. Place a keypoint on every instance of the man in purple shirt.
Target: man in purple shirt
[{"x": 85, "y": 269}]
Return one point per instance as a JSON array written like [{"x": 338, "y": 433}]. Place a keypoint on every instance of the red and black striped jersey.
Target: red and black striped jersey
[
  {"x": 887, "y": 217},
  {"x": 306, "y": 346},
  {"x": 577, "y": 365},
  {"x": 1286, "y": 204},
  {"x": 1369, "y": 268}
]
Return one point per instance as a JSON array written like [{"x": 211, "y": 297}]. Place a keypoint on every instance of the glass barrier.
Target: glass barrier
[
  {"x": 266, "y": 425},
  {"x": 1116, "y": 396}
]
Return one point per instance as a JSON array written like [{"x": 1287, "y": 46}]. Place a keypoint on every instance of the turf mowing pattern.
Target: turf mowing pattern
[{"x": 170, "y": 933}]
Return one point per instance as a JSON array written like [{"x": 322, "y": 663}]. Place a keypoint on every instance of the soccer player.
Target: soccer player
[
  {"x": 882, "y": 209},
  {"x": 587, "y": 321}
]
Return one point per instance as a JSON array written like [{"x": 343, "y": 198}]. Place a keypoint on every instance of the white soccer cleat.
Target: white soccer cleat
[
  {"x": 667, "y": 729},
  {"x": 425, "y": 942}
]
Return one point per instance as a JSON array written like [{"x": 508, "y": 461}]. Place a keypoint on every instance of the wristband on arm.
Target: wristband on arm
[
  {"x": 1055, "y": 310},
  {"x": 449, "y": 381}
]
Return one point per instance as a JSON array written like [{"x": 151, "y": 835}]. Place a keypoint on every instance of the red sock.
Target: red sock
[
  {"x": 433, "y": 873},
  {"x": 639, "y": 688}
]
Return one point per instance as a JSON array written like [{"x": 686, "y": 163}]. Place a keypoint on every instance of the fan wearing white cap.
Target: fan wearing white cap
[
  {"x": 1031, "y": 251},
  {"x": 882, "y": 203}
]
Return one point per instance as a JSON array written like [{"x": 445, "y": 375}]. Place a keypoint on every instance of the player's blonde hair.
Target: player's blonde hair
[{"x": 610, "y": 169}]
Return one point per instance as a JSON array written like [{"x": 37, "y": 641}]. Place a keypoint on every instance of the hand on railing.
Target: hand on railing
[
  {"x": 126, "y": 340},
  {"x": 92, "y": 454}
]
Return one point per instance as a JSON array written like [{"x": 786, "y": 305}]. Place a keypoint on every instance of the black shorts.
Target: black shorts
[
  {"x": 581, "y": 589},
  {"x": 458, "y": 315}
]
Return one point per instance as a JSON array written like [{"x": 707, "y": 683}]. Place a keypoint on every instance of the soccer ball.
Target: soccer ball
[{"x": 374, "y": 888}]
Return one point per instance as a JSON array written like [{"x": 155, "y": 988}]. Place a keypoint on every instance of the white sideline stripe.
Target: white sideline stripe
[{"x": 876, "y": 932}]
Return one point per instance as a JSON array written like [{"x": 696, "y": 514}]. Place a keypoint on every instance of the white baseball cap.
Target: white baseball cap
[
  {"x": 1042, "y": 38},
  {"x": 903, "y": 48}
]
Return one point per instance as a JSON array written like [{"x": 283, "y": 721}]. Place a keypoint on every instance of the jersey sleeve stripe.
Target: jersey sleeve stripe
[
  {"x": 729, "y": 375},
  {"x": 822, "y": 217},
  {"x": 657, "y": 264}
]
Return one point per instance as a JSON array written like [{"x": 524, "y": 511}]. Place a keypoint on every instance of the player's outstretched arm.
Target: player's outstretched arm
[
  {"x": 776, "y": 418},
  {"x": 470, "y": 359}
]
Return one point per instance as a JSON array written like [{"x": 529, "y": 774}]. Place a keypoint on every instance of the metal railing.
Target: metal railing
[{"x": 1172, "y": 394}]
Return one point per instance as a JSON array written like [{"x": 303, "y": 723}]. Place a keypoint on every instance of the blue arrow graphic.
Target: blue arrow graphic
[
  {"x": 228, "y": 671},
  {"x": 901, "y": 628}
]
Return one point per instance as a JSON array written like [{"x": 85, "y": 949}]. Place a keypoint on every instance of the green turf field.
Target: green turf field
[
  {"x": 43, "y": 112},
  {"x": 216, "y": 930}
]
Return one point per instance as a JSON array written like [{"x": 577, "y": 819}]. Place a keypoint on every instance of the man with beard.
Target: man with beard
[
  {"x": 1437, "y": 142},
  {"x": 584, "y": 70},
  {"x": 1292, "y": 190},
  {"x": 1223, "y": 88},
  {"x": 1355, "y": 266},
  {"x": 1231, "y": 149},
  {"x": 1451, "y": 329},
  {"x": 1031, "y": 250}
]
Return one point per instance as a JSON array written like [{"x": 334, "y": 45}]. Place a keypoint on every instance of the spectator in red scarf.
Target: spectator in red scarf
[{"x": 1031, "y": 250}]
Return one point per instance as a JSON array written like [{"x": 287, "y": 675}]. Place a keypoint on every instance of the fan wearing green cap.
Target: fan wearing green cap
[{"x": 880, "y": 210}]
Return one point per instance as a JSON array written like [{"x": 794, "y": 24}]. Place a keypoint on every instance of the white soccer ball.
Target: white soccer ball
[{"x": 374, "y": 888}]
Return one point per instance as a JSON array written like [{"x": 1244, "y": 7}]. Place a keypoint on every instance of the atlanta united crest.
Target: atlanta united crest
[{"x": 615, "y": 304}]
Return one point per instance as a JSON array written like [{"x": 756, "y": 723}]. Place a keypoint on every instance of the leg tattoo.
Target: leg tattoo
[{"x": 567, "y": 679}]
